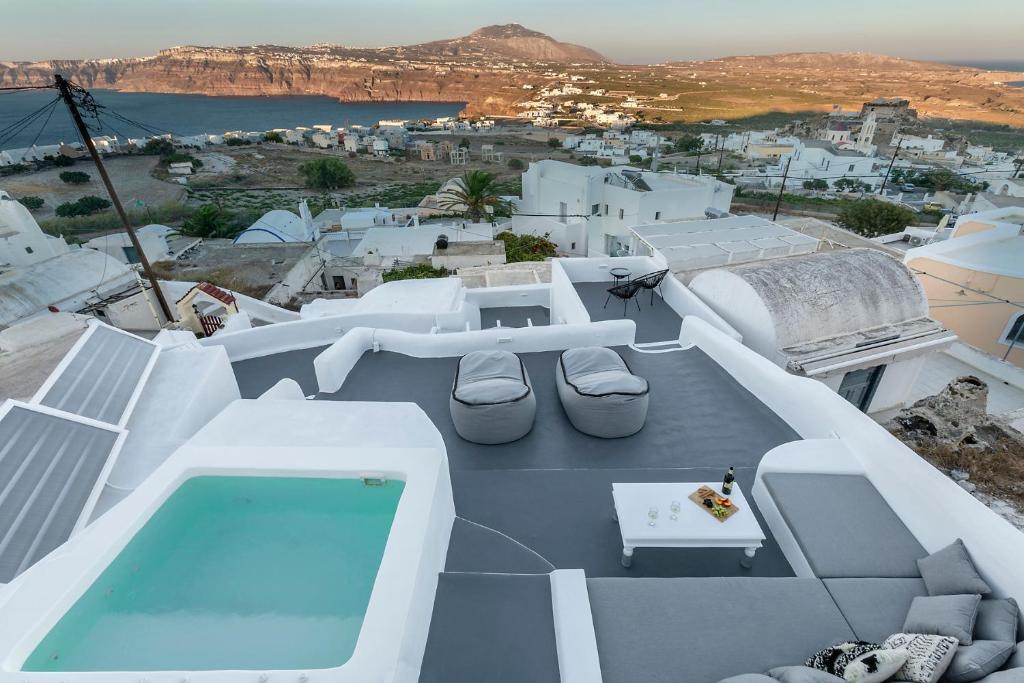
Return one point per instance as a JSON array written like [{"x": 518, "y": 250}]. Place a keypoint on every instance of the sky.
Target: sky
[{"x": 641, "y": 31}]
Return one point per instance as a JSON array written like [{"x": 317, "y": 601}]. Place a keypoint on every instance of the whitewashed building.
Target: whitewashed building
[
  {"x": 280, "y": 225},
  {"x": 40, "y": 272},
  {"x": 611, "y": 201}
]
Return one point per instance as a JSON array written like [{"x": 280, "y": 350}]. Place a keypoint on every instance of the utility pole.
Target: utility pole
[
  {"x": 782, "y": 189},
  {"x": 65, "y": 92},
  {"x": 881, "y": 190},
  {"x": 721, "y": 154}
]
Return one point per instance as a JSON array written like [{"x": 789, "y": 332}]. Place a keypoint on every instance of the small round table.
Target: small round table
[{"x": 620, "y": 274}]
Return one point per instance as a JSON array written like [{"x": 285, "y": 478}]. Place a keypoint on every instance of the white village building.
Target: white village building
[
  {"x": 39, "y": 272},
  {"x": 159, "y": 242},
  {"x": 602, "y": 204}
]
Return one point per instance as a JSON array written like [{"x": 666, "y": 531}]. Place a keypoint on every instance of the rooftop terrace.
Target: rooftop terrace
[{"x": 544, "y": 502}]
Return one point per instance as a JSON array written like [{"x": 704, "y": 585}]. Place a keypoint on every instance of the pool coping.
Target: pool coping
[{"x": 393, "y": 634}]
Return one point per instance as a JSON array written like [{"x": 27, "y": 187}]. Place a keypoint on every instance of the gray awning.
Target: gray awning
[
  {"x": 49, "y": 467},
  {"x": 102, "y": 375},
  {"x": 869, "y": 356}
]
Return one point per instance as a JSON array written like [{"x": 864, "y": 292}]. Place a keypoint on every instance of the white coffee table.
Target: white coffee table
[{"x": 693, "y": 528}]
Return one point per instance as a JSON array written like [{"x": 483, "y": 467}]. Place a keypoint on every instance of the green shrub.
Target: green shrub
[
  {"x": 326, "y": 174},
  {"x": 816, "y": 184},
  {"x": 516, "y": 164},
  {"x": 85, "y": 206},
  {"x": 554, "y": 142},
  {"x": 75, "y": 177},
  {"x": 873, "y": 217},
  {"x": 63, "y": 160},
  {"x": 526, "y": 247},
  {"x": 159, "y": 146},
  {"x": 31, "y": 202},
  {"x": 235, "y": 142},
  {"x": 420, "y": 271},
  {"x": 273, "y": 136}
]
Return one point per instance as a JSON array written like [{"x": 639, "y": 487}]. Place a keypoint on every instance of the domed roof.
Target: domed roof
[{"x": 832, "y": 294}]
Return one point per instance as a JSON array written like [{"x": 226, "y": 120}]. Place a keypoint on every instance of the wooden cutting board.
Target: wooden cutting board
[{"x": 703, "y": 492}]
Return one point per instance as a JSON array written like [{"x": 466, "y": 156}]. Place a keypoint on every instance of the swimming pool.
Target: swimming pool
[{"x": 234, "y": 573}]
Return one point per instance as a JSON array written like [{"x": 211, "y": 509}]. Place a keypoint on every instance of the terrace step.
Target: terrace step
[{"x": 491, "y": 628}]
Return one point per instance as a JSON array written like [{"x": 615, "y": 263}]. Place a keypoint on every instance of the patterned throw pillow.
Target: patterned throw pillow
[
  {"x": 928, "y": 656},
  {"x": 858, "y": 662}
]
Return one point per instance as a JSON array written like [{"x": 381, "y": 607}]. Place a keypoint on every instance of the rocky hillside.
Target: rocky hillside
[
  {"x": 514, "y": 41},
  {"x": 486, "y": 69}
]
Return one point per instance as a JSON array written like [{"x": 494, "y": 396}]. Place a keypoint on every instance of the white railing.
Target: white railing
[{"x": 333, "y": 364}]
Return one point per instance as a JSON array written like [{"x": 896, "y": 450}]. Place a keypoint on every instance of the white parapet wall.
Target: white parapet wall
[
  {"x": 678, "y": 296},
  {"x": 575, "y": 639},
  {"x": 333, "y": 364},
  {"x": 929, "y": 503}
]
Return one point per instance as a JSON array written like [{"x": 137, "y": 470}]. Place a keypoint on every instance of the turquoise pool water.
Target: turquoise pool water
[{"x": 233, "y": 573}]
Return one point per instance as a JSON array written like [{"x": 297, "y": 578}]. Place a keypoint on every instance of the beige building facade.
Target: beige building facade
[{"x": 975, "y": 281}]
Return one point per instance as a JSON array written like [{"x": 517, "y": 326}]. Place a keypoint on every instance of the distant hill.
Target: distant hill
[
  {"x": 829, "y": 61},
  {"x": 516, "y": 42}
]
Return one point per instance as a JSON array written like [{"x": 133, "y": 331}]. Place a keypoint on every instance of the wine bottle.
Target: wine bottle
[{"x": 730, "y": 477}]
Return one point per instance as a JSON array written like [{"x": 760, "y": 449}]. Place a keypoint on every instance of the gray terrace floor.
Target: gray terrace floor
[
  {"x": 654, "y": 323},
  {"x": 514, "y": 316},
  {"x": 544, "y": 502}
]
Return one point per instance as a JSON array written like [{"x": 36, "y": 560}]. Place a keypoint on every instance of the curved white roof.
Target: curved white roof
[
  {"x": 67, "y": 281},
  {"x": 278, "y": 225},
  {"x": 827, "y": 294}
]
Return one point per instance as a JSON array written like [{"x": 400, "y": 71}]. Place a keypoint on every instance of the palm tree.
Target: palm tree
[{"x": 471, "y": 195}]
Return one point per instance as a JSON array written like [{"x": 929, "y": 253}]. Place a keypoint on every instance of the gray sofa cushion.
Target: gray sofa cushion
[
  {"x": 802, "y": 674},
  {"x": 600, "y": 395},
  {"x": 844, "y": 527},
  {"x": 492, "y": 400},
  {"x": 950, "y": 571},
  {"x": 875, "y": 608},
  {"x": 1007, "y": 676},
  {"x": 975, "y": 661},
  {"x": 646, "y": 628},
  {"x": 997, "y": 620},
  {"x": 1016, "y": 660},
  {"x": 748, "y": 678},
  {"x": 944, "y": 615}
]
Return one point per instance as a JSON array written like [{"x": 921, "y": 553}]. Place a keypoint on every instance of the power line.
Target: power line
[{"x": 968, "y": 288}]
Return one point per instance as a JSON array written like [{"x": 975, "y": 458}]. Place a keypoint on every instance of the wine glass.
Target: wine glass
[
  {"x": 652, "y": 515},
  {"x": 674, "y": 507}
]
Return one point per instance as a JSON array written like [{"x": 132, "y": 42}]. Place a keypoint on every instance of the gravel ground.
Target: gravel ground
[{"x": 130, "y": 175}]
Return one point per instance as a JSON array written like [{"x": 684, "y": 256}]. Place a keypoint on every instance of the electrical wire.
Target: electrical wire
[
  {"x": 49, "y": 114},
  {"x": 24, "y": 122}
]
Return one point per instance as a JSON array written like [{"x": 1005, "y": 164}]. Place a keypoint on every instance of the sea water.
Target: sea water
[
  {"x": 233, "y": 573},
  {"x": 195, "y": 114}
]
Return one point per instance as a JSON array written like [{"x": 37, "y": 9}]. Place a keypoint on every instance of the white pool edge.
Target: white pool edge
[{"x": 394, "y": 631}]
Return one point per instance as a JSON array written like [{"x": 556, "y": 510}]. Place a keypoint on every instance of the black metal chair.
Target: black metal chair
[
  {"x": 652, "y": 281},
  {"x": 625, "y": 291}
]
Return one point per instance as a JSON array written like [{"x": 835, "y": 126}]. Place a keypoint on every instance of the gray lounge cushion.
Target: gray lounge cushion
[
  {"x": 844, "y": 527},
  {"x": 1007, "y": 676},
  {"x": 748, "y": 678},
  {"x": 646, "y": 630},
  {"x": 875, "y": 608},
  {"x": 492, "y": 400},
  {"x": 950, "y": 571},
  {"x": 997, "y": 620},
  {"x": 599, "y": 393},
  {"x": 944, "y": 615},
  {"x": 802, "y": 674},
  {"x": 974, "y": 662},
  {"x": 1017, "y": 658}
]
